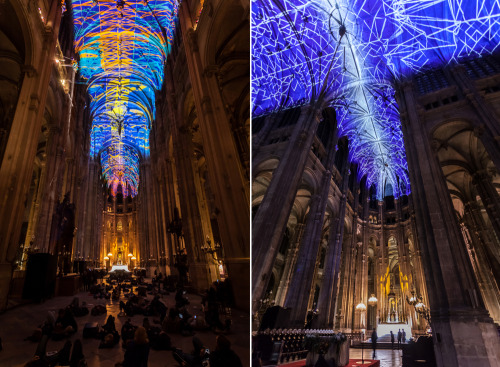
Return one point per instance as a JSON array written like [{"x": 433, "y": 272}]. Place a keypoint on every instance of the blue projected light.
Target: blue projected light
[
  {"x": 122, "y": 47},
  {"x": 348, "y": 53}
]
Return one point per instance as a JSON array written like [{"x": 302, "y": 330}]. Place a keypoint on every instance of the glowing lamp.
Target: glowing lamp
[
  {"x": 106, "y": 258},
  {"x": 130, "y": 255},
  {"x": 133, "y": 258},
  {"x": 372, "y": 301},
  {"x": 360, "y": 307},
  {"x": 420, "y": 307},
  {"x": 110, "y": 254}
]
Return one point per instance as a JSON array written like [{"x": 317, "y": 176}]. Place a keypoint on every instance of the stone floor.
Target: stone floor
[
  {"x": 18, "y": 323},
  {"x": 387, "y": 358}
]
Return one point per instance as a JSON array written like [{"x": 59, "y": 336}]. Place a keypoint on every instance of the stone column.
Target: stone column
[
  {"x": 36, "y": 204},
  {"x": 462, "y": 331},
  {"x": 404, "y": 265},
  {"x": 348, "y": 284},
  {"x": 146, "y": 240},
  {"x": 327, "y": 298},
  {"x": 226, "y": 174},
  {"x": 420, "y": 283},
  {"x": 207, "y": 260},
  {"x": 270, "y": 221},
  {"x": 478, "y": 228},
  {"x": 329, "y": 287},
  {"x": 490, "y": 198},
  {"x": 290, "y": 260},
  {"x": 297, "y": 297},
  {"x": 345, "y": 282},
  {"x": 192, "y": 225},
  {"x": 50, "y": 196},
  {"x": 482, "y": 263}
]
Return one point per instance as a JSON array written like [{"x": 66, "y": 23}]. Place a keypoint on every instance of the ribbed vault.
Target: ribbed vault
[
  {"x": 349, "y": 53},
  {"x": 122, "y": 46}
]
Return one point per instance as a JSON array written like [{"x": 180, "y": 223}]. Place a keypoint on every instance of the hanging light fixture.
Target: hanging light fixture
[
  {"x": 412, "y": 301},
  {"x": 420, "y": 307},
  {"x": 106, "y": 258},
  {"x": 110, "y": 254},
  {"x": 361, "y": 306},
  {"x": 372, "y": 301}
]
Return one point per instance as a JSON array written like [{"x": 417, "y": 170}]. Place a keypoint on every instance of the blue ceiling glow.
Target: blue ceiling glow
[
  {"x": 122, "y": 48},
  {"x": 348, "y": 53}
]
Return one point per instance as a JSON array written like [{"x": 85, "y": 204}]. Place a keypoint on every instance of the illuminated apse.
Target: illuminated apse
[
  {"x": 122, "y": 48},
  {"x": 350, "y": 54}
]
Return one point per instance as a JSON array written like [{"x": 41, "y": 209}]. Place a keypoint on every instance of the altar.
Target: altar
[{"x": 120, "y": 268}]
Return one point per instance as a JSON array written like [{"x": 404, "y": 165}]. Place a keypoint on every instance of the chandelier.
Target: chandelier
[
  {"x": 360, "y": 307},
  {"x": 372, "y": 301}
]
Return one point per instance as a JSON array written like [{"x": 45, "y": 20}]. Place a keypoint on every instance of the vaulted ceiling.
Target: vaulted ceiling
[
  {"x": 349, "y": 53},
  {"x": 122, "y": 47}
]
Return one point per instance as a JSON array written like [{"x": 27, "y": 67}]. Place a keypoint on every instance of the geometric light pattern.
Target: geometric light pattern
[
  {"x": 349, "y": 53},
  {"x": 122, "y": 48}
]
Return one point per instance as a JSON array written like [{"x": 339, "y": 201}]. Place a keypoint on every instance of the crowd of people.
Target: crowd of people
[
  {"x": 132, "y": 295},
  {"x": 222, "y": 356}
]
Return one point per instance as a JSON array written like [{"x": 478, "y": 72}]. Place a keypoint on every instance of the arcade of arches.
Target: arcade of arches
[
  {"x": 191, "y": 207},
  {"x": 332, "y": 255}
]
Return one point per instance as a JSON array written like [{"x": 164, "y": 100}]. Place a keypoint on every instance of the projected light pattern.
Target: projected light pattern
[
  {"x": 349, "y": 52},
  {"x": 122, "y": 48}
]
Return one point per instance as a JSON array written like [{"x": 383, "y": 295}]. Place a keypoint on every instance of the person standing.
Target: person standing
[
  {"x": 400, "y": 336},
  {"x": 374, "y": 341},
  {"x": 404, "y": 336},
  {"x": 392, "y": 339}
]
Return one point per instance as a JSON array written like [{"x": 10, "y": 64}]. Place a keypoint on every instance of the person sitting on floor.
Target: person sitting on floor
[
  {"x": 77, "y": 357},
  {"x": 44, "y": 329},
  {"x": 65, "y": 325},
  {"x": 194, "y": 359},
  {"x": 180, "y": 299},
  {"x": 172, "y": 323},
  {"x": 75, "y": 308},
  {"x": 159, "y": 307},
  {"x": 223, "y": 355},
  {"x": 61, "y": 358},
  {"x": 186, "y": 319},
  {"x": 128, "y": 331},
  {"x": 109, "y": 335},
  {"x": 198, "y": 322},
  {"x": 137, "y": 352}
]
